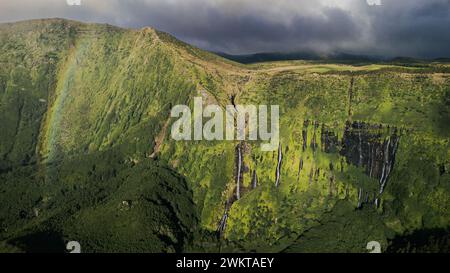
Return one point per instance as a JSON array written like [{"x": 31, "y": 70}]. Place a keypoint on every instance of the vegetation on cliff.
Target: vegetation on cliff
[{"x": 86, "y": 153}]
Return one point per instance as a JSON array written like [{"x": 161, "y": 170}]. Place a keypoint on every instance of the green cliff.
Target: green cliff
[{"x": 86, "y": 153}]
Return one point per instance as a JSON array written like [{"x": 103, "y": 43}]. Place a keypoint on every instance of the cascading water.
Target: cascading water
[
  {"x": 239, "y": 172},
  {"x": 280, "y": 158},
  {"x": 373, "y": 148}
]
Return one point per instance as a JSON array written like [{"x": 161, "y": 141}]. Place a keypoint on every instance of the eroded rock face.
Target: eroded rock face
[
  {"x": 369, "y": 147},
  {"x": 373, "y": 148}
]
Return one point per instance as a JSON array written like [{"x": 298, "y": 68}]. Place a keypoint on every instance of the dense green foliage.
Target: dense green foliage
[{"x": 107, "y": 204}]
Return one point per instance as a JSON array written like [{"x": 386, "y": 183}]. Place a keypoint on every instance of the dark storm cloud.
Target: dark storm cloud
[
  {"x": 249, "y": 32},
  {"x": 418, "y": 28}
]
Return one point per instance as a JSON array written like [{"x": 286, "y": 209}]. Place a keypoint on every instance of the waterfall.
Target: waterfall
[
  {"x": 388, "y": 162},
  {"x": 384, "y": 172},
  {"x": 370, "y": 159},
  {"x": 365, "y": 146},
  {"x": 238, "y": 178},
  {"x": 375, "y": 200},
  {"x": 223, "y": 221},
  {"x": 280, "y": 157},
  {"x": 222, "y": 224},
  {"x": 359, "y": 198}
]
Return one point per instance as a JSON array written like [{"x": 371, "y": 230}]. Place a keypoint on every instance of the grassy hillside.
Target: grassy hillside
[{"x": 86, "y": 153}]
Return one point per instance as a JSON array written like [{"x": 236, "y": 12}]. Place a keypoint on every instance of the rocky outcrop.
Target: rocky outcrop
[{"x": 373, "y": 148}]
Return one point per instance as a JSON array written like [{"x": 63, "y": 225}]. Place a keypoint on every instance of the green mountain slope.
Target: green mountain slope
[{"x": 86, "y": 153}]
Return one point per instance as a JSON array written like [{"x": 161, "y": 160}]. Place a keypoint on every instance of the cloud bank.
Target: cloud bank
[{"x": 416, "y": 28}]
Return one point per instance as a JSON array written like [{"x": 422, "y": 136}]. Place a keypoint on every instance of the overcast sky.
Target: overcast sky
[{"x": 416, "y": 28}]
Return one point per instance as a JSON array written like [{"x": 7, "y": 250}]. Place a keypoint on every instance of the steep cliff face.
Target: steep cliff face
[
  {"x": 369, "y": 160},
  {"x": 71, "y": 92},
  {"x": 361, "y": 146}
]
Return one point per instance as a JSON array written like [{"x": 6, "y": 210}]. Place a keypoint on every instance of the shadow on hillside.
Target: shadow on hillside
[
  {"x": 41, "y": 242},
  {"x": 422, "y": 241}
]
